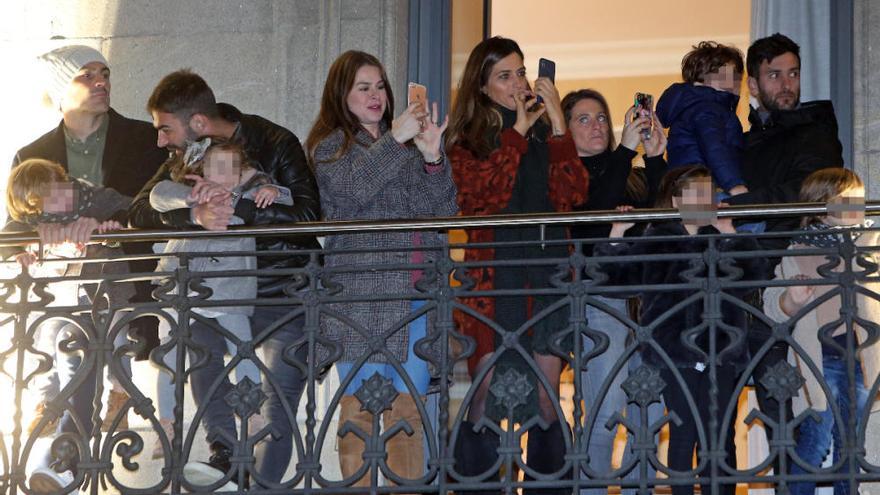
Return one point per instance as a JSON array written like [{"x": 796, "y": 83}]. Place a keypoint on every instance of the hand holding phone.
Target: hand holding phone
[
  {"x": 546, "y": 68},
  {"x": 417, "y": 93}
]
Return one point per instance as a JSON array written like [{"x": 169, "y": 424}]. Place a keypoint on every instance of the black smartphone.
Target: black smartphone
[
  {"x": 644, "y": 107},
  {"x": 546, "y": 68}
]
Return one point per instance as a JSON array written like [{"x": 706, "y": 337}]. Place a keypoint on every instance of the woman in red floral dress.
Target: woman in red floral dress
[{"x": 510, "y": 154}]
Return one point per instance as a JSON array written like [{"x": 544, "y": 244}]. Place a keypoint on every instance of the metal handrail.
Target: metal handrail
[{"x": 447, "y": 223}]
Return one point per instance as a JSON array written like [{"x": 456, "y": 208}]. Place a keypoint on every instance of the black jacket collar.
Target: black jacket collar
[{"x": 820, "y": 111}]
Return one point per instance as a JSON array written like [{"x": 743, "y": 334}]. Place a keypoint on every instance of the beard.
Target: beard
[
  {"x": 771, "y": 103},
  {"x": 188, "y": 139}
]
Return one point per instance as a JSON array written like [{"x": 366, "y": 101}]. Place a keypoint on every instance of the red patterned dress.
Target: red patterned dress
[{"x": 485, "y": 187}]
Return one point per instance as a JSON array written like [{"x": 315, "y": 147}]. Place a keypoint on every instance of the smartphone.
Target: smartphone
[
  {"x": 546, "y": 68},
  {"x": 644, "y": 107},
  {"x": 417, "y": 92}
]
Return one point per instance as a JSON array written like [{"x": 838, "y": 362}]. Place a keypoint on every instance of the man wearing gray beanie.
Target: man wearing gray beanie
[{"x": 92, "y": 142}]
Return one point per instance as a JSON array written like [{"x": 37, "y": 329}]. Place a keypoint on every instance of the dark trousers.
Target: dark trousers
[
  {"x": 684, "y": 437},
  {"x": 283, "y": 387}
]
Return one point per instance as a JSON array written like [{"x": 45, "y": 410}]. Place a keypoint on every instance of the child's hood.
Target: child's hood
[{"x": 680, "y": 97}]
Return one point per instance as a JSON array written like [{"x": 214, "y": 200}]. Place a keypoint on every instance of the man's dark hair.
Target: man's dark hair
[
  {"x": 766, "y": 49},
  {"x": 184, "y": 94},
  {"x": 707, "y": 57}
]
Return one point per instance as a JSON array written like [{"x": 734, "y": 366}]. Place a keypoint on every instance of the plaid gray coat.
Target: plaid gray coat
[{"x": 376, "y": 180}]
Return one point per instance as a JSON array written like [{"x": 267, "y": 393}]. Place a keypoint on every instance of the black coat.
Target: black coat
[
  {"x": 782, "y": 152},
  {"x": 131, "y": 156},
  {"x": 670, "y": 333},
  {"x": 130, "y": 159},
  {"x": 277, "y": 152}
]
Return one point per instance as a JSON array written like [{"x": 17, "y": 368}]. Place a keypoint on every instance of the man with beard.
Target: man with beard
[
  {"x": 184, "y": 109},
  {"x": 787, "y": 141}
]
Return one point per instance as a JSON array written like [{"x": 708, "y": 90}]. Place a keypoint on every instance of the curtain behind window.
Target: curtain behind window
[{"x": 808, "y": 23}]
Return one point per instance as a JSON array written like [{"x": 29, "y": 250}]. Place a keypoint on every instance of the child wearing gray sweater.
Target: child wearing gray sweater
[
  {"x": 211, "y": 168},
  {"x": 219, "y": 166}
]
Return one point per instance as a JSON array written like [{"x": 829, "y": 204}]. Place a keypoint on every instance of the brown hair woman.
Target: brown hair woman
[{"x": 510, "y": 154}]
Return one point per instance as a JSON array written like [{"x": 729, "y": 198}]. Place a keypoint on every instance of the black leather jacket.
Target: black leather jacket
[{"x": 277, "y": 152}]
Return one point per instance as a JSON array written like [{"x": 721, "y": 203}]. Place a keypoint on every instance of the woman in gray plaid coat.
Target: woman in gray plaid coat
[{"x": 370, "y": 167}]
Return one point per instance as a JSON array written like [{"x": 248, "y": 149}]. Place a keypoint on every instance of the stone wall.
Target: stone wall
[
  {"x": 268, "y": 57},
  {"x": 866, "y": 144},
  {"x": 866, "y": 95}
]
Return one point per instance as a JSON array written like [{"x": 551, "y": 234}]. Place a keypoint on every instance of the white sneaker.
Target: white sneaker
[
  {"x": 203, "y": 474},
  {"x": 47, "y": 480}
]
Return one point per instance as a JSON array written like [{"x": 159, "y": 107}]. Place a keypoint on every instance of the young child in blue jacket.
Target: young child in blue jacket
[{"x": 701, "y": 114}]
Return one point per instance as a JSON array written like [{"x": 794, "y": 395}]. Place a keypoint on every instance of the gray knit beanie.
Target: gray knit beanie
[{"x": 64, "y": 63}]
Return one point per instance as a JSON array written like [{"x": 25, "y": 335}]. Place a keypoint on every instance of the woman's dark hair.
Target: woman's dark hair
[
  {"x": 766, "y": 49},
  {"x": 707, "y": 57},
  {"x": 334, "y": 113},
  {"x": 637, "y": 190},
  {"x": 674, "y": 182},
  {"x": 474, "y": 124},
  {"x": 572, "y": 99}
]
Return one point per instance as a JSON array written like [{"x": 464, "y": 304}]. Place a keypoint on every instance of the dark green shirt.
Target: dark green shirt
[{"x": 84, "y": 158}]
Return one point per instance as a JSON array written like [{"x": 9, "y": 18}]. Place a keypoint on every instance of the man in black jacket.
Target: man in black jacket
[
  {"x": 184, "y": 109},
  {"x": 95, "y": 143},
  {"x": 787, "y": 141}
]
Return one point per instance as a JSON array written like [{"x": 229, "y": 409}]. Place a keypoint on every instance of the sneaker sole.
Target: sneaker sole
[
  {"x": 41, "y": 483},
  {"x": 200, "y": 474}
]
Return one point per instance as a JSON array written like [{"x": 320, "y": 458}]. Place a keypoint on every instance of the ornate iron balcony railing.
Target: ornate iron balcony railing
[{"x": 77, "y": 326}]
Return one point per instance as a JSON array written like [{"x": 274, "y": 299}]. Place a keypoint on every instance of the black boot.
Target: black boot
[
  {"x": 476, "y": 453},
  {"x": 546, "y": 455}
]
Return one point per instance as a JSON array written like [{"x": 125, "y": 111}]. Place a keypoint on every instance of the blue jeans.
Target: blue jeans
[
  {"x": 273, "y": 455},
  {"x": 237, "y": 324},
  {"x": 750, "y": 228},
  {"x": 218, "y": 417},
  {"x": 601, "y": 441},
  {"x": 814, "y": 438},
  {"x": 416, "y": 369}
]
